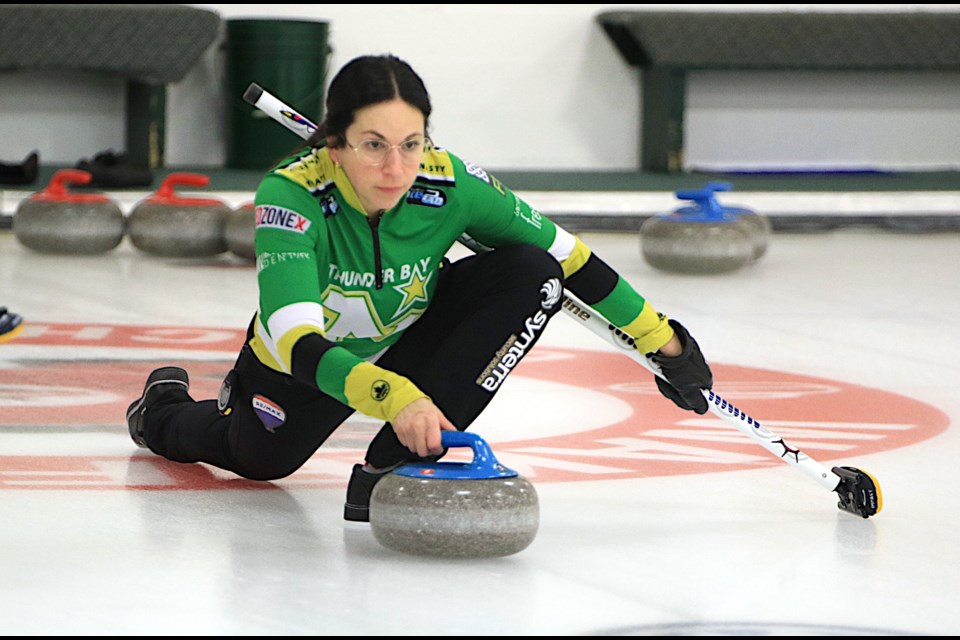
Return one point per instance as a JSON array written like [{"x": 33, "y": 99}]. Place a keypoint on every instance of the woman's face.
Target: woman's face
[{"x": 394, "y": 125}]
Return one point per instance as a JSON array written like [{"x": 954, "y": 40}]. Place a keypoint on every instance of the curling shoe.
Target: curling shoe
[
  {"x": 10, "y": 324},
  {"x": 159, "y": 382},
  {"x": 362, "y": 481}
]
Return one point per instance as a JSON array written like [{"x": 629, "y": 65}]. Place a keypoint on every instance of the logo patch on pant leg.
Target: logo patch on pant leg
[
  {"x": 551, "y": 290},
  {"x": 269, "y": 412}
]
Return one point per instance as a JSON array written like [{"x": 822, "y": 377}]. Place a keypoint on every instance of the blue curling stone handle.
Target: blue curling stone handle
[
  {"x": 483, "y": 467},
  {"x": 706, "y": 208}
]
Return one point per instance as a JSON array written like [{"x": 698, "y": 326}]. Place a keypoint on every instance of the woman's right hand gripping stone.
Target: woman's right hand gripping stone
[{"x": 418, "y": 427}]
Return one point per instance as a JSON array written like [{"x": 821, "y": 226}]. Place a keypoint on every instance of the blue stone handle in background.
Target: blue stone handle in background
[{"x": 706, "y": 208}]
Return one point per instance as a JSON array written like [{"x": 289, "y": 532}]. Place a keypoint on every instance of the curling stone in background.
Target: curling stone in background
[
  {"x": 56, "y": 220},
  {"x": 760, "y": 227},
  {"x": 239, "y": 229},
  {"x": 172, "y": 226},
  {"x": 476, "y": 509},
  {"x": 699, "y": 239}
]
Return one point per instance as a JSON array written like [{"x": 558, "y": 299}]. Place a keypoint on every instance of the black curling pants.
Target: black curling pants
[{"x": 488, "y": 312}]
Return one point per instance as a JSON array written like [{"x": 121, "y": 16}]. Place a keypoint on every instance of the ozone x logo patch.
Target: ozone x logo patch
[{"x": 280, "y": 218}]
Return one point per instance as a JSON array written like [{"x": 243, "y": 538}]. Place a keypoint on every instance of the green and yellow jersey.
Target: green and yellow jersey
[{"x": 337, "y": 287}]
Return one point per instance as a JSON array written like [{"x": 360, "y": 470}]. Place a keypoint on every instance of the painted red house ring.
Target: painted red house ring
[{"x": 826, "y": 419}]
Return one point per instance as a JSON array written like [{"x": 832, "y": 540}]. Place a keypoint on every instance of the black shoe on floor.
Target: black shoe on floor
[
  {"x": 112, "y": 170},
  {"x": 359, "y": 490},
  {"x": 23, "y": 173},
  {"x": 10, "y": 324},
  {"x": 9, "y": 321},
  {"x": 158, "y": 382}
]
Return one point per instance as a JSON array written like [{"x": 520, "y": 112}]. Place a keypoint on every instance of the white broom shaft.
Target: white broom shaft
[
  {"x": 724, "y": 409},
  {"x": 281, "y": 112}
]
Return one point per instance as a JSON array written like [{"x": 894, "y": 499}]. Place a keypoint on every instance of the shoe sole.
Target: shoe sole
[
  {"x": 13, "y": 333},
  {"x": 356, "y": 513},
  {"x": 353, "y": 512},
  {"x": 162, "y": 377}
]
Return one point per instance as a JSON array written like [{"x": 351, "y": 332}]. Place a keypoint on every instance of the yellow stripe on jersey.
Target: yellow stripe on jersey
[
  {"x": 377, "y": 392},
  {"x": 284, "y": 327},
  {"x": 650, "y": 330},
  {"x": 289, "y": 339},
  {"x": 282, "y": 331},
  {"x": 578, "y": 257},
  {"x": 278, "y": 355},
  {"x": 263, "y": 354},
  {"x": 346, "y": 188},
  {"x": 314, "y": 171},
  {"x": 436, "y": 166}
]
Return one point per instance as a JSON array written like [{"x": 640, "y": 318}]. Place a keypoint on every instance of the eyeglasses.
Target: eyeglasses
[{"x": 375, "y": 152}]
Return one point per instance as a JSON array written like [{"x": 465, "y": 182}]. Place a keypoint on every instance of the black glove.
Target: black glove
[{"x": 685, "y": 374}]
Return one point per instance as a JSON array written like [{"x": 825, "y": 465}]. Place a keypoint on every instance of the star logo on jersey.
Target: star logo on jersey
[{"x": 413, "y": 290}]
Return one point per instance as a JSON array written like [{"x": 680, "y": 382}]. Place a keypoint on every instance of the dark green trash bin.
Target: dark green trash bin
[{"x": 288, "y": 58}]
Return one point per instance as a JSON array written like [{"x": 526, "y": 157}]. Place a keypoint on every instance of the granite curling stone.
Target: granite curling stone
[
  {"x": 699, "y": 239},
  {"x": 239, "y": 230},
  {"x": 58, "y": 221},
  {"x": 168, "y": 225},
  {"x": 762, "y": 229},
  {"x": 759, "y": 225},
  {"x": 477, "y": 509}
]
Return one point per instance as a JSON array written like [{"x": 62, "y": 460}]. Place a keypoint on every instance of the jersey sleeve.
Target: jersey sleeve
[
  {"x": 600, "y": 287},
  {"x": 499, "y": 217},
  {"x": 291, "y": 246}
]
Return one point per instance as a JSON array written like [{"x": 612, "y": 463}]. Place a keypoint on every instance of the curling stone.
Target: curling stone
[
  {"x": 699, "y": 239},
  {"x": 169, "y": 225},
  {"x": 476, "y": 509},
  {"x": 55, "y": 220},
  {"x": 238, "y": 231},
  {"x": 760, "y": 227}
]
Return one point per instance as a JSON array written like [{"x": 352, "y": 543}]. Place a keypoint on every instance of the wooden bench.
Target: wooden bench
[
  {"x": 667, "y": 45},
  {"x": 148, "y": 45}
]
